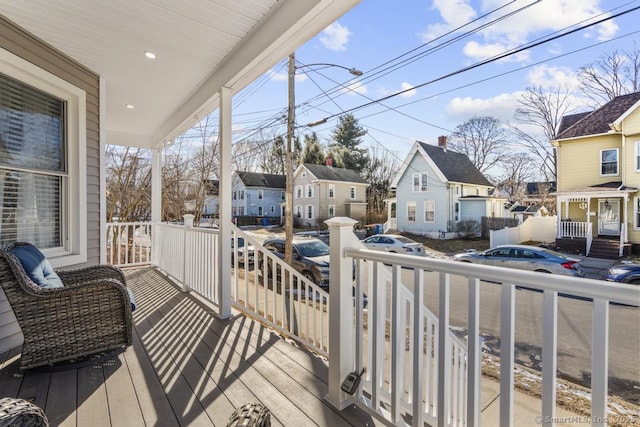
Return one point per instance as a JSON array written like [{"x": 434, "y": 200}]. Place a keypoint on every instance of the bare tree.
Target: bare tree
[
  {"x": 128, "y": 179},
  {"x": 543, "y": 110},
  {"x": 482, "y": 139},
  {"x": 517, "y": 170},
  {"x": 611, "y": 74},
  {"x": 382, "y": 168}
]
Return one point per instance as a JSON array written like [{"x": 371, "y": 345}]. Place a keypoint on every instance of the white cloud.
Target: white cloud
[
  {"x": 410, "y": 91},
  {"x": 356, "y": 88},
  {"x": 454, "y": 13},
  {"x": 501, "y": 107},
  {"x": 284, "y": 76},
  {"x": 547, "y": 77},
  {"x": 523, "y": 26},
  {"x": 335, "y": 37}
]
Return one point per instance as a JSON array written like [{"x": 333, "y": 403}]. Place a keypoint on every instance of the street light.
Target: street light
[{"x": 288, "y": 210}]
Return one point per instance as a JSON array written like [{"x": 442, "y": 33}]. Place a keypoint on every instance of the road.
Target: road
[{"x": 574, "y": 331}]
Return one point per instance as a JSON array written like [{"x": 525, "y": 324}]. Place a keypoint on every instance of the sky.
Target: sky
[{"x": 420, "y": 56}]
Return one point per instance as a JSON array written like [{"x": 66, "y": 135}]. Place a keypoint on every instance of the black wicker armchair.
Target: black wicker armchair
[
  {"x": 90, "y": 314},
  {"x": 21, "y": 413}
]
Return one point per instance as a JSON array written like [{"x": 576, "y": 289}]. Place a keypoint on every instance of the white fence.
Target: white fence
[
  {"x": 538, "y": 229},
  {"x": 400, "y": 389},
  {"x": 128, "y": 243}
]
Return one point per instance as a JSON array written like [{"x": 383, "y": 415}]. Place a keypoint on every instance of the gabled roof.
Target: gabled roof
[
  {"x": 330, "y": 173},
  {"x": 266, "y": 180},
  {"x": 569, "y": 120},
  {"x": 456, "y": 167},
  {"x": 598, "y": 121}
]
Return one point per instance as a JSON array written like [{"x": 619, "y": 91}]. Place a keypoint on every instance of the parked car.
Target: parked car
[
  {"x": 624, "y": 273},
  {"x": 525, "y": 257},
  {"x": 310, "y": 257},
  {"x": 240, "y": 252},
  {"x": 394, "y": 243}
]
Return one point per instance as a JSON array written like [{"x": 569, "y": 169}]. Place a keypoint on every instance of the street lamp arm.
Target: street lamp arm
[{"x": 352, "y": 71}]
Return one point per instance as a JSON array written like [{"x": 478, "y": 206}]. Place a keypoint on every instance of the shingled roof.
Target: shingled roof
[
  {"x": 266, "y": 180},
  {"x": 597, "y": 121},
  {"x": 329, "y": 173},
  {"x": 455, "y": 166}
]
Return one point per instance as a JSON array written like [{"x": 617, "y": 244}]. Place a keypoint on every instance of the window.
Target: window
[
  {"x": 298, "y": 191},
  {"x": 260, "y": 212},
  {"x": 273, "y": 208},
  {"x": 636, "y": 212},
  {"x": 42, "y": 163},
  {"x": 260, "y": 195},
  {"x": 429, "y": 211},
  {"x": 332, "y": 211},
  {"x": 309, "y": 211},
  {"x": 241, "y": 194},
  {"x": 332, "y": 191},
  {"x": 419, "y": 182},
  {"x": 298, "y": 211},
  {"x": 352, "y": 192},
  {"x": 309, "y": 190},
  {"x": 411, "y": 211},
  {"x": 457, "y": 209},
  {"x": 457, "y": 190},
  {"x": 235, "y": 195},
  {"x": 282, "y": 195},
  {"x": 609, "y": 161}
]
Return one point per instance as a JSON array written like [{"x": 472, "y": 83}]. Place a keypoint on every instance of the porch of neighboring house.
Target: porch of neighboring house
[{"x": 593, "y": 221}]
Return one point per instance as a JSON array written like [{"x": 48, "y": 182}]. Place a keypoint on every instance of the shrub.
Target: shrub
[{"x": 468, "y": 229}]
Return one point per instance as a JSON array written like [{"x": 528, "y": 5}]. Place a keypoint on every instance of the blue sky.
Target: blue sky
[{"x": 378, "y": 31}]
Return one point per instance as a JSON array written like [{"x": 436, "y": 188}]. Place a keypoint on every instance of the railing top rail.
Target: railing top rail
[
  {"x": 130, "y": 223},
  {"x": 582, "y": 287}
]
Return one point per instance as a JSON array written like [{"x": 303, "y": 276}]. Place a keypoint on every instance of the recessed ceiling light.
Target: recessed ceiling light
[
  {"x": 150, "y": 55},
  {"x": 129, "y": 106}
]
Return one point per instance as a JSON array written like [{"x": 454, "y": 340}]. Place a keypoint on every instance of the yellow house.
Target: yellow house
[{"x": 598, "y": 167}]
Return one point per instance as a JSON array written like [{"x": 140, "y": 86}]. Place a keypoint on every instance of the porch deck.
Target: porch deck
[{"x": 186, "y": 367}]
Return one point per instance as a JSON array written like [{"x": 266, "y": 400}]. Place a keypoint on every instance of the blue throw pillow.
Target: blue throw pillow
[{"x": 36, "y": 266}]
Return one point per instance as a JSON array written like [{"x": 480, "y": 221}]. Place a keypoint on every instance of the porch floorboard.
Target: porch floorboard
[{"x": 185, "y": 367}]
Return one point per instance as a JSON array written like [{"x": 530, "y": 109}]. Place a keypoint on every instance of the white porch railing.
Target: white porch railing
[
  {"x": 623, "y": 238},
  {"x": 574, "y": 229},
  {"x": 418, "y": 382},
  {"x": 128, "y": 243},
  {"x": 589, "y": 240}
]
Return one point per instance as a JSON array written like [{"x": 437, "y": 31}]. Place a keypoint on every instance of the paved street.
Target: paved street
[{"x": 574, "y": 331}]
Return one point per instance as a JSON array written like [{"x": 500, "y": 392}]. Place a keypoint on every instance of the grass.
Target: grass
[{"x": 450, "y": 246}]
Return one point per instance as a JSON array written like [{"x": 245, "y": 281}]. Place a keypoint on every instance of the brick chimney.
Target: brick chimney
[
  {"x": 442, "y": 142},
  {"x": 329, "y": 161}
]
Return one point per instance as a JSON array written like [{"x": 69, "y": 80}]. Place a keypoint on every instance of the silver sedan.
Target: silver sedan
[
  {"x": 525, "y": 257},
  {"x": 394, "y": 243}
]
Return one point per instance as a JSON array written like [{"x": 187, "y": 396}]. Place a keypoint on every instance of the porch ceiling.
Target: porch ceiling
[{"x": 201, "y": 46}]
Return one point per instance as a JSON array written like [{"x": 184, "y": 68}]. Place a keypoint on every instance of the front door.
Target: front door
[{"x": 609, "y": 217}]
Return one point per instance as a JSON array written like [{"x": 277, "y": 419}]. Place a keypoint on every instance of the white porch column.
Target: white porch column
[
  {"x": 588, "y": 214},
  {"x": 156, "y": 185},
  {"x": 625, "y": 229},
  {"x": 341, "y": 345},
  {"x": 224, "y": 209}
]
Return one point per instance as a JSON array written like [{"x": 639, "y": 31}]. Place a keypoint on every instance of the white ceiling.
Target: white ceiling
[{"x": 201, "y": 46}]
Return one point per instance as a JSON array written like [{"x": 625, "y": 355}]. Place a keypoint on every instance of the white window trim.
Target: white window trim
[
  {"x": 298, "y": 193},
  {"x": 353, "y": 194},
  {"x": 425, "y": 211},
  {"x": 636, "y": 209},
  {"x": 74, "y": 224},
  {"x": 331, "y": 193},
  {"x": 635, "y": 158},
  {"x": 260, "y": 194},
  {"x": 308, "y": 191},
  {"x": 331, "y": 208},
  {"x": 617, "y": 162},
  {"x": 415, "y": 206},
  {"x": 306, "y": 213}
]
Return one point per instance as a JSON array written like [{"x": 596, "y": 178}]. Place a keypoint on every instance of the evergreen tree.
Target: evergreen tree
[
  {"x": 346, "y": 151},
  {"x": 274, "y": 162},
  {"x": 313, "y": 152}
]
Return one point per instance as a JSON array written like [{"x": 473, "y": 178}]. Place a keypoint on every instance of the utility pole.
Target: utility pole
[{"x": 288, "y": 210}]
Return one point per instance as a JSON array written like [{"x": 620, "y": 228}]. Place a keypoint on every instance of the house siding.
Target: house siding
[
  {"x": 437, "y": 191},
  {"x": 26, "y": 46},
  {"x": 580, "y": 162}
]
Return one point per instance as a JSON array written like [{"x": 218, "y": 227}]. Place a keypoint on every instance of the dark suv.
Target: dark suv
[{"x": 310, "y": 258}]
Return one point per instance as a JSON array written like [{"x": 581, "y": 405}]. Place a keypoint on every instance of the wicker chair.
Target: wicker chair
[
  {"x": 90, "y": 314},
  {"x": 21, "y": 413}
]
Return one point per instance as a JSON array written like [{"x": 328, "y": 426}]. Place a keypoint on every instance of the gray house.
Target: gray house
[
  {"x": 438, "y": 188},
  {"x": 321, "y": 192},
  {"x": 257, "y": 194}
]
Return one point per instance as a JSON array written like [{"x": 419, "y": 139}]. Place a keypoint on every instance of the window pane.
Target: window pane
[
  {"x": 30, "y": 208},
  {"x": 31, "y": 127}
]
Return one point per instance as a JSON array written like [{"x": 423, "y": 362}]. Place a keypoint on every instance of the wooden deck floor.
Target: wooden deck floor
[{"x": 185, "y": 368}]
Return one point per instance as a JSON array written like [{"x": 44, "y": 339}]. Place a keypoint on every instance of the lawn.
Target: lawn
[{"x": 450, "y": 246}]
